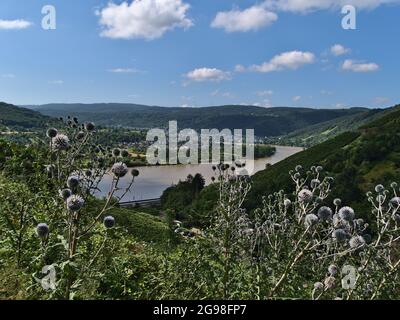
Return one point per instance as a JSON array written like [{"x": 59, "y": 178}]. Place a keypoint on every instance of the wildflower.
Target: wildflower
[
  {"x": 329, "y": 282},
  {"x": 60, "y": 142},
  {"x": 42, "y": 230},
  {"x": 109, "y": 222},
  {"x": 325, "y": 213},
  {"x": 318, "y": 286},
  {"x": 65, "y": 193},
  {"x": 337, "y": 202},
  {"x": 339, "y": 235},
  {"x": 332, "y": 269},
  {"x": 80, "y": 135},
  {"x": 393, "y": 185},
  {"x": 346, "y": 213},
  {"x": 298, "y": 168},
  {"x": 356, "y": 242},
  {"x": 287, "y": 203},
  {"x": 116, "y": 152},
  {"x": 379, "y": 188},
  {"x": 119, "y": 169},
  {"x": 315, "y": 183},
  {"x": 310, "y": 220},
  {"x": 297, "y": 175},
  {"x": 51, "y": 133},
  {"x": 395, "y": 201},
  {"x": 75, "y": 203},
  {"x": 319, "y": 169},
  {"x": 305, "y": 196},
  {"x": 89, "y": 126},
  {"x": 73, "y": 182},
  {"x": 124, "y": 153}
]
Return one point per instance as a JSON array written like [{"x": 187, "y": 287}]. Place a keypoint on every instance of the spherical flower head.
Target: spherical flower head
[
  {"x": 346, "y": 213},
  {"x": 109, "y": 222},
  {"x": 325, "y": 213},
  {"x": 379, "y": 188},
  {"x": 60, "y": 142},
  {"x": 357, "y": 242},
  {"x": 297, "y": 176},
  {"x": 42, "y": 230},
  {"x": 339, "y": 235},
  {"x": 65, "y": 193},
  {"x": 75, "y": 203},
  {"x": 329, "y": 282},
  {"x": 318, "y": 286},
  {"x": 287, "y": 203},
  {"x": 89, "y": 126},
  {"x": 298, "y": 168},
  {"x": 305, "y": 196},
  {"x": 319, "y": 169},
  {"x": 116, "y": 152},
  {"x": 332, "y": 269},
  {"x": 315, "y": 183},
  {"x": 73, "y": 182},
  {"x": 119, "y": 169},
  {"x": 51, "y": 133},
  {"x": 337, "y": 202},
  {"x": 80, "y": 135},
  {"x": 394, "y": 185},
  {"x": 395, "y": 202},
  {"x": 310, "y": 220},
  {"x": 124, "y": 153}
]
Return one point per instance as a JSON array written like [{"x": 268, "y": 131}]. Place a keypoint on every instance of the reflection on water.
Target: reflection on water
[{"x": 152, "y": 181}]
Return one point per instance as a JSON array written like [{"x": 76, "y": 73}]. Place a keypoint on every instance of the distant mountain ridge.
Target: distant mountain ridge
[{"x": 265, "y": 121}]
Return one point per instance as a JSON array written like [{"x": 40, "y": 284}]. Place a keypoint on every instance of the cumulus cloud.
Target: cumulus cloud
[
  {"x": 288, "y": 60},
  {"x": 14, "y": 24},
  {"x": 147, "y": 19},
  {"x": 208, "y": 74},
  {"x": 265, "y": 93},
  {"x": 296, "y": 98},
  {"x": 339, "y": 50},
  {"x": 305, "y": 6},
  {"x": 250, "y": 19},
  {"x": 356, "y": 66}
]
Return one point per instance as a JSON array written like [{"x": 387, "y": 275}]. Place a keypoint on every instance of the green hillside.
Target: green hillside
[{"x": 265, "y": 121}]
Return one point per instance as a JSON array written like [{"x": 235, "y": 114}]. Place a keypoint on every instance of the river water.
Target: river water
[{"x": 153, "y": 180}]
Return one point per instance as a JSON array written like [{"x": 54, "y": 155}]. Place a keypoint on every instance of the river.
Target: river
[{"x": 153, "y": 180}]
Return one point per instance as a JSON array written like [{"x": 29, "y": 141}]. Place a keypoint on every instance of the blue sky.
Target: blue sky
[{"x": 201, "y": 52}]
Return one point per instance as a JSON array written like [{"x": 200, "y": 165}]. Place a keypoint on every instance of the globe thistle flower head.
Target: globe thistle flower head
[
  {"x": 75, "y": 203},
  {"x": 287, "y": 203},
  {"x": 339, "y": 235},
  {"x": 332, "y": 269},
  {"x": 60, "y": 142},
  {"x": 329, "y": 282},
  {"x": 346, "y": 213},
  {"x": 315, "y": 183},
  {"x": 395, "y": 201},
  {"x": 124, "y": 153},
  {"x": 80, "y": 135},
  {"x": 116, "y": 152},
  {"x": 51, "y": 133},
  {"x": 65, "y": 193},
  {"x": 357, "y": 242},
  {"x": 89, "y": 126},
  {"x": 42, "y": 230},
  {"x": 379, "y": 188},
  {"x": 318, "y": 286},
  {"x": 73, "y": 182},
  {"x": 325, "y": 213},
  {"x": 305, "y": 196},
  {"x": 310, "y": 220},
  {"x": 109, "y": 222},
  {"x": 119, "y": 169}
]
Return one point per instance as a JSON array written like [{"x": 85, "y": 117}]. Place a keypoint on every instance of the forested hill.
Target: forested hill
[
  {"x": 265, "y": 121},
  {"x": 17, "y": 118}
]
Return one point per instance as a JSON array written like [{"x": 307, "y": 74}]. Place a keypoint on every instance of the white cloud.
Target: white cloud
[
  {"x": 265, "y": 93},
  {"x": 296, "y": 98},
  {"x": 305, "y": 6},
  {"x": 56, "y": 82},
  {"x": 124, "y": 70},
  {"x": 381, "y": 100},
  {"x": 8, "y": 75},
  {"x": 250, "y": 19},
  {"x": 224, "y": 94},
  {"x": 208, "y": 74},
  {"x": 339, "y": 50},
  {"x": 288, "y": 60},
  {"x": 14, "y": 24},
  {"x": 356, "y": 66},
  {"x": 148, "y": 19}
]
